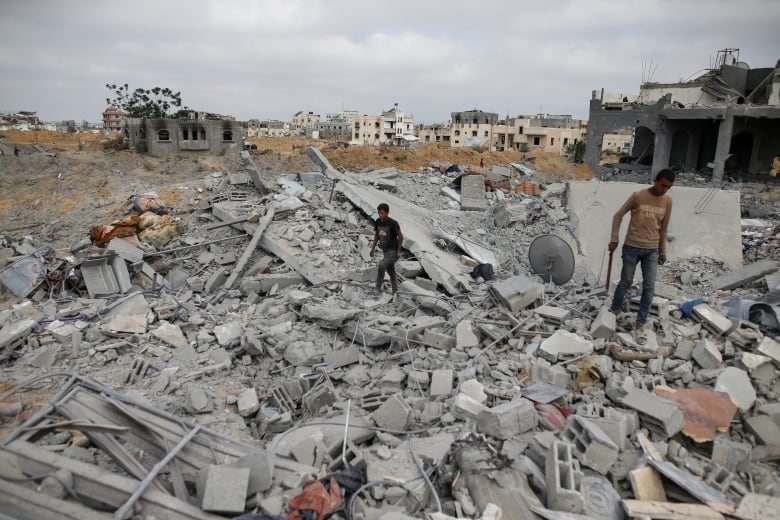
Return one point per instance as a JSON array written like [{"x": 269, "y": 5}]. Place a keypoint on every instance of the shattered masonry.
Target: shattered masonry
[{"x": 233, "y": 360}]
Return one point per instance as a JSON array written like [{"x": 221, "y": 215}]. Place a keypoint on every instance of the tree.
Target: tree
[{"x": 154, "y": 103}]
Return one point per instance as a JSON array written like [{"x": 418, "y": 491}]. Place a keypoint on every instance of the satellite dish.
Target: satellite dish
[{"x": 551, "y": 258}]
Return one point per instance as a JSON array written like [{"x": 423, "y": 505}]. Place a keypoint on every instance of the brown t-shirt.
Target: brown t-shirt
[{"x": 649, "y": 220}]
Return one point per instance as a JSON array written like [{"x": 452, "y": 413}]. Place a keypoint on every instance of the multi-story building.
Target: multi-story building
[
  {"x": 389, "y": 128},
  {"x": 188, "y": 135},
  {"x": 472, "y": 128},
  {"x": 267, "y": 128},
  {"x": 437, "y": 133},
  {"x": 113, "y": 119},
  {"x": 334, "y": 128},
  {"x": 302, "y": 123}
]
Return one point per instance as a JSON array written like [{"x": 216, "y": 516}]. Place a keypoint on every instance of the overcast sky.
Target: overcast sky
[{"x": 268, "y": 59}]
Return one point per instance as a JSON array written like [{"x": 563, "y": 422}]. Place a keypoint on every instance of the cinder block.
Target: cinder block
[
  {"x": 465, "y": 407},
  {"x": 563, "y": 478},
  {"x": 592, "y": 446},
  {"x": 556, "y": 315},
  {"x": 319, "y": 397},
  {"x": 508, "y": 419},
  {"x": 604, "y": 324},
  {"x": 248, "y": 403},
  {"x": 438, "y": 340},
  {"x": 770, "y": 347},
  {"x": 707, "y": 355},
  {"x": 354, "y": 457},
  {"x": 661, "y": 416},
  {"x": 711, "y": 319},
  {"x": 517, "y": 292},
  {"x": 734, "y": 456},
  {"x": 764, "y": 428},
  {"x": 564, "y": 344},
  {"x": 720, "y": 479},
  {"x": 393, "y": 414},
  {"x": 464, "y": 335},
  {"x": 441, "y": 383},
  {"x": 617, "y": 424},
  {"x": 225, "y": 489}
]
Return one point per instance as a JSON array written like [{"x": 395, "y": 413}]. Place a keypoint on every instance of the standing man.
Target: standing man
[
  {"x": 387, "y": 233},
  {"x": 645, "y": 242}
]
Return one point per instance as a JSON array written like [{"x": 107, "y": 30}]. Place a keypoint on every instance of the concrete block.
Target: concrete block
[
  {"x": 438, "y": 340},
  {"x": 422, "y": 323},
  {"x": 418, "y": 378},
  {"x": 424, "y": 283},
  {"x": 466, "y": 408},
  {"x": 543, "y": 371},
  {"x": 517, "y": 292},
  {"x": 472, "y": 192},
  {"x": 737, "y": 384},
  {"x": 198, "y": 401},
  {"x": 707, "y": 355},
  {"x": 216, "y": 280},
  {"x": 393, "y": 414},
  {"x": 409, "y": 269},
  {"x": 441, "y": 383},
  {"x": 604, "y": 324},
  {"x": 228, "y": 332},
  {"x": 342, "y": 357},
  {"x": 556, "y": 315},
  {"x": 770, "y": 348},
  {"x": 125, "y": 250},
  {"x": 474, "y": 389},
  {"x": 225, "y": 490},
  {"x": 564, "y": 344},
  {"x": 711, "y": 319},
  {"x": 732, "y": 455},
  {"x": 13, "y": 334},
  {"x": 661, "y": 416},
  {"x": 329, "y": 316},
  {"x": 105, "y": 276},
  {"x": 281, "y": 280},
  {"x": 564, "y": 479},
  {"x": 508, "y": 419},
  {"x": 170, "y": 334},
  {"x": 592, "y": 446},
  {"x": 248, "y": 403},
  {"x": 353, "y": 455},
  {"x": 319, "y": 397},
  {"x": 618, "y": 424},
  {"x": 764, "y": 428},
  {"x": 464, "y": 335}
]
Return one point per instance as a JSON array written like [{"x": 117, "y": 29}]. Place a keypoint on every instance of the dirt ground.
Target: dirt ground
[{"x": 62, "y": 184}]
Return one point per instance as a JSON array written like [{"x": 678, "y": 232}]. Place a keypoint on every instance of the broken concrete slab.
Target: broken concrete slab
[
  {"x": 564, "y": 344},
  {"x": 225, "y": 489},
  {"x": 744, "y": 275},
  {"x": 248, "y": 402},
  {"x": 472, "y": 193},
  {"x": 170, "y": 334},
  {"x": 506, "y": 420},
  {"x": 736, "y": 383}
]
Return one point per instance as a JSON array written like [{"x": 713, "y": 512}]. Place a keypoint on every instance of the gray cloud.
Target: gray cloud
[{"x": 271, "y": 58}]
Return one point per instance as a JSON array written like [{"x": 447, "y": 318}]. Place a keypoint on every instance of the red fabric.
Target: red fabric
[{"x": 315, "y": 497}]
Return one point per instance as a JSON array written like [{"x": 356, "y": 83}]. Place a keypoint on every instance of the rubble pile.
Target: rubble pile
[{"x": 242, "y": 368}]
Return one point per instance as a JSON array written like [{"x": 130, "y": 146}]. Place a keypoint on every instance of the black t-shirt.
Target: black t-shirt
[{"x": 388, "y": 233}]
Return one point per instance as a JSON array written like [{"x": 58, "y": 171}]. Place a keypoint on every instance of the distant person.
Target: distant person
[
  {"x": 481, "y": 162},
  {"x": 645, "y": 242},
  {"x": 387, "y": 233},
  {"x": 16, "y": 151}
]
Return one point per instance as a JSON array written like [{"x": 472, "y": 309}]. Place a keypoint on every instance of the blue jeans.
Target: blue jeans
[{"x": 631, "y": 256}]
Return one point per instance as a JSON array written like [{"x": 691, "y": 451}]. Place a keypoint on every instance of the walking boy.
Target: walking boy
[
  {"x": 645, "y": 242},
  {"x": 387, "y": 233}
]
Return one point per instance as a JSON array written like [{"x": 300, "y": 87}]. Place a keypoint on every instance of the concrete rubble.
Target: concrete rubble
[{"x": 247, "y": 367}]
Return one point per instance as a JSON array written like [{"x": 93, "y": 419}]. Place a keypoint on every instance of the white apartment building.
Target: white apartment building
[{"x": 389, "y": 128}]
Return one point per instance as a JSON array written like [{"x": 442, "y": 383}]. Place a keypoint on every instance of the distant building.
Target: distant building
[
  {"x": 392, "y": 127},
  {"x": 113, "y": 119},
  {"x": 472, "y": 128},
  {"x": 334, "y": 128},
  {"x": 195, "y": 135},
  {"x": 302, "y": 124},
  {"x": 439, "y": 133},
  {"x": 267, "y": 128},
  {"x": 728, "y": 118}
]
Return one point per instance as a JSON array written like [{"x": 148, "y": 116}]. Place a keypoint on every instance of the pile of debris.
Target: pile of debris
[{"x": 244, "y": 369}]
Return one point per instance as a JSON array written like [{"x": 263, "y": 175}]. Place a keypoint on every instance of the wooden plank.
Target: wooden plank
[
  {"x": 103, "y": 486},
  {"x": 646, "y": 484},
  {"x": 20, "y": 502},
  {"x": 508, "y": 489},
  {"x": 669, "y": 511},
  {"x": 758, "y": 507},
  {"x": 698, "y": 488}
]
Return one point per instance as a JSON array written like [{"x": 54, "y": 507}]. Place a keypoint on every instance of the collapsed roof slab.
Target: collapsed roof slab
[
  {"x": 442, "y": 266},
  {"x": 705, "y": 222}
]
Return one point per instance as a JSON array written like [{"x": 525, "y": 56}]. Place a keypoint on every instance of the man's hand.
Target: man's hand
[
  {"x": 661, "y": 259},
  {"x": 371, "y": 253},
  {"x": 612, "y": 246}
]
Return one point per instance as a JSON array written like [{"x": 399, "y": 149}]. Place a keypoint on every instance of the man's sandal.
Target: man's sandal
[{"x": 640, "y": 336}]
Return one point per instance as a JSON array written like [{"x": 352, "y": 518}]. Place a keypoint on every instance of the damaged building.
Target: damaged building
[
  {"x": 201, "y": 133},
  {"x": 727, "y": 120}
]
